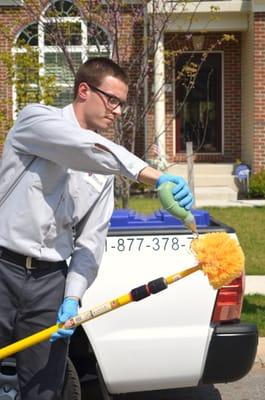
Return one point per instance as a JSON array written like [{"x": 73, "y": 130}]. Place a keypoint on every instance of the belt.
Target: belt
[{"x": 25, "y": 261}]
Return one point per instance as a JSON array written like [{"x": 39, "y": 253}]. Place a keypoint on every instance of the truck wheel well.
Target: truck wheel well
[{"x": 82, "y": 355}]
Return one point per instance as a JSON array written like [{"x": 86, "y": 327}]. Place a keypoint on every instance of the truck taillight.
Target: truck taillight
[{"x": 229, "y": 301}]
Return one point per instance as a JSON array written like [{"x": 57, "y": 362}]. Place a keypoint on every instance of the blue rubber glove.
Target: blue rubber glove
[
  {"x": 181, "y": 191},
  {"x": 68, "y": 309}
]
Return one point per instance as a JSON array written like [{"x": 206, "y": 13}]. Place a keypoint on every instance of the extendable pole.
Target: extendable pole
[{"x": 135, "y": 294}]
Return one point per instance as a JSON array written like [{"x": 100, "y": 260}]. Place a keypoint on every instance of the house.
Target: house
[
  {"x": 234, "y": 72},
  {"x": 223, "y": 115}
]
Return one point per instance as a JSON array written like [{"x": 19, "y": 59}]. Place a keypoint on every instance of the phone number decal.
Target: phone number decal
[{"x": 141, "y": 243}]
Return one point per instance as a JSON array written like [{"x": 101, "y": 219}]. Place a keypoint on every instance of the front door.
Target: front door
[{"x": 198, "y": 104}]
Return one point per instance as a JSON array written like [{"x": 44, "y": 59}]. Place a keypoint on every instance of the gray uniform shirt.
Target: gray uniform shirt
[{"x": 63, "y": 203}]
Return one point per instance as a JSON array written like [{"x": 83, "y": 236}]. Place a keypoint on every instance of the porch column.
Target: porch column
[{"x": 159, "y": 93}]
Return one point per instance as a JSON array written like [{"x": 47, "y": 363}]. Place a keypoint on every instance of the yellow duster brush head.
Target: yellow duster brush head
[{"x": 220, "y": 257}]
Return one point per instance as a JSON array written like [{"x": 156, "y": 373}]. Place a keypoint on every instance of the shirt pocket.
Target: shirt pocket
[
  {"x": 84, "y": 201},
  {"x": 50, "y": 235}
]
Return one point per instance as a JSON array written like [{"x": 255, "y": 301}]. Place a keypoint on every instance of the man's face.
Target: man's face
[{"x": 103, "y": 104}]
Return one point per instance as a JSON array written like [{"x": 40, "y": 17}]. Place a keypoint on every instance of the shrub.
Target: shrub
[{"x": 257, "y": 185}]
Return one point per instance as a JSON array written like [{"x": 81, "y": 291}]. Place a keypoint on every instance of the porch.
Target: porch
[
  {"x": 214, "y": 183},
  {"x": 226, "y": 121}
]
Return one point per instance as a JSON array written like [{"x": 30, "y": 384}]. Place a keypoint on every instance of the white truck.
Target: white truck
[{"x": 184, "y": 336}]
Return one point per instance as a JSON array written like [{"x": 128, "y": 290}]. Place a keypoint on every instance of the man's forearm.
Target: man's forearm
[{"x": 149, "y": 175}]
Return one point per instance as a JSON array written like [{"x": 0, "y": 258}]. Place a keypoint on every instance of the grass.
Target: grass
[
  {"x": 254, "y": 311},
  {"x": 248, "y": 222},
  {"x": 144, "y": 205}
]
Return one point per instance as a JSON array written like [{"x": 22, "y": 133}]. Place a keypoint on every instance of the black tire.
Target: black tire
[{"x": 71, "y": 388}]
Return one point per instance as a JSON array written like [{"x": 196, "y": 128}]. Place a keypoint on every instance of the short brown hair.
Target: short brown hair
[{"x": 94, "y": 70}]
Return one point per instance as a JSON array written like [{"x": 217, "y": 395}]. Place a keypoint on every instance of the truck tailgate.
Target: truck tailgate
[{"x": 162, "y": 341}]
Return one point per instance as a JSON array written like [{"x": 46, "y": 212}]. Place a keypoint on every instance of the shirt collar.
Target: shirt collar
[{"x": 69, "y": 114}]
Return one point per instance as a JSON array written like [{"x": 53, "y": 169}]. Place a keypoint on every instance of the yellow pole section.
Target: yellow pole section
[
  {"x": 72, "y": 323},
  {"x": 176, "y": 277},
  {"x": 82, "y": 317},
  {"x": 28, "y": 341},
  {"x": 98, "y": 310}
]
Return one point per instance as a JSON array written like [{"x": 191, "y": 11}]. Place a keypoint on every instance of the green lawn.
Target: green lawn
[
  {"x": 249, "y": 223},
  {"x": 254, "y": 311},
  {"x": 144, "y": 205}
]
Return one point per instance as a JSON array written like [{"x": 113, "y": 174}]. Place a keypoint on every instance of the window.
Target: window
[
  {"x": 60, "y": 41},
  {"x": 200, "y": 115}
]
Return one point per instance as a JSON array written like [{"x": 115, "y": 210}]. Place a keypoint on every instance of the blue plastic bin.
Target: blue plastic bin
[{"x": 160, "y": 220}]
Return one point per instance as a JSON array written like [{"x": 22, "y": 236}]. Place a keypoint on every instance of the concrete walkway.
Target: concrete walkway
[
  {"x": 229, "y": 203},
  {"x": 260, "y": 357},
  {"x": 255, "y": 284}
]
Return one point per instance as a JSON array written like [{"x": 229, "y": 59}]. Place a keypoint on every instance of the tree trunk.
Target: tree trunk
[
  {"x": 190, "y": 164},
  {"x": 125, "y": 193}
]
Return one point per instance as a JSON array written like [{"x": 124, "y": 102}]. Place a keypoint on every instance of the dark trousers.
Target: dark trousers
[{"x": 29, "y": 302}]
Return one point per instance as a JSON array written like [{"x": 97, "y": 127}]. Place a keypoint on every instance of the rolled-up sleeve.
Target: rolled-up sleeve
[
  {"x": 42, "y": 131},
  {"x": 89, "y": 244}
]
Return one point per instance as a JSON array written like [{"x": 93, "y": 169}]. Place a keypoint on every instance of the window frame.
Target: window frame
[{"x": 84, "y": 48}]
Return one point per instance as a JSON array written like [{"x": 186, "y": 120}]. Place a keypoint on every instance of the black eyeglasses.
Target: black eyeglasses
[{"x": 112, "y": 101}]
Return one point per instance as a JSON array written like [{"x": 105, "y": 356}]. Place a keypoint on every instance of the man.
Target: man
[{"x": 57, "y": 185}]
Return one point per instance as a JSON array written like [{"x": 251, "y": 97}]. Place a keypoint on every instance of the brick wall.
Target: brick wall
[
  {"x": 7, "y": 15},
  {"x": 259, "y": 93},
  {"x": 12, "y": 20},
  {"x": 16, "y": 17},
  {"x": 130, "y": 42}
]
